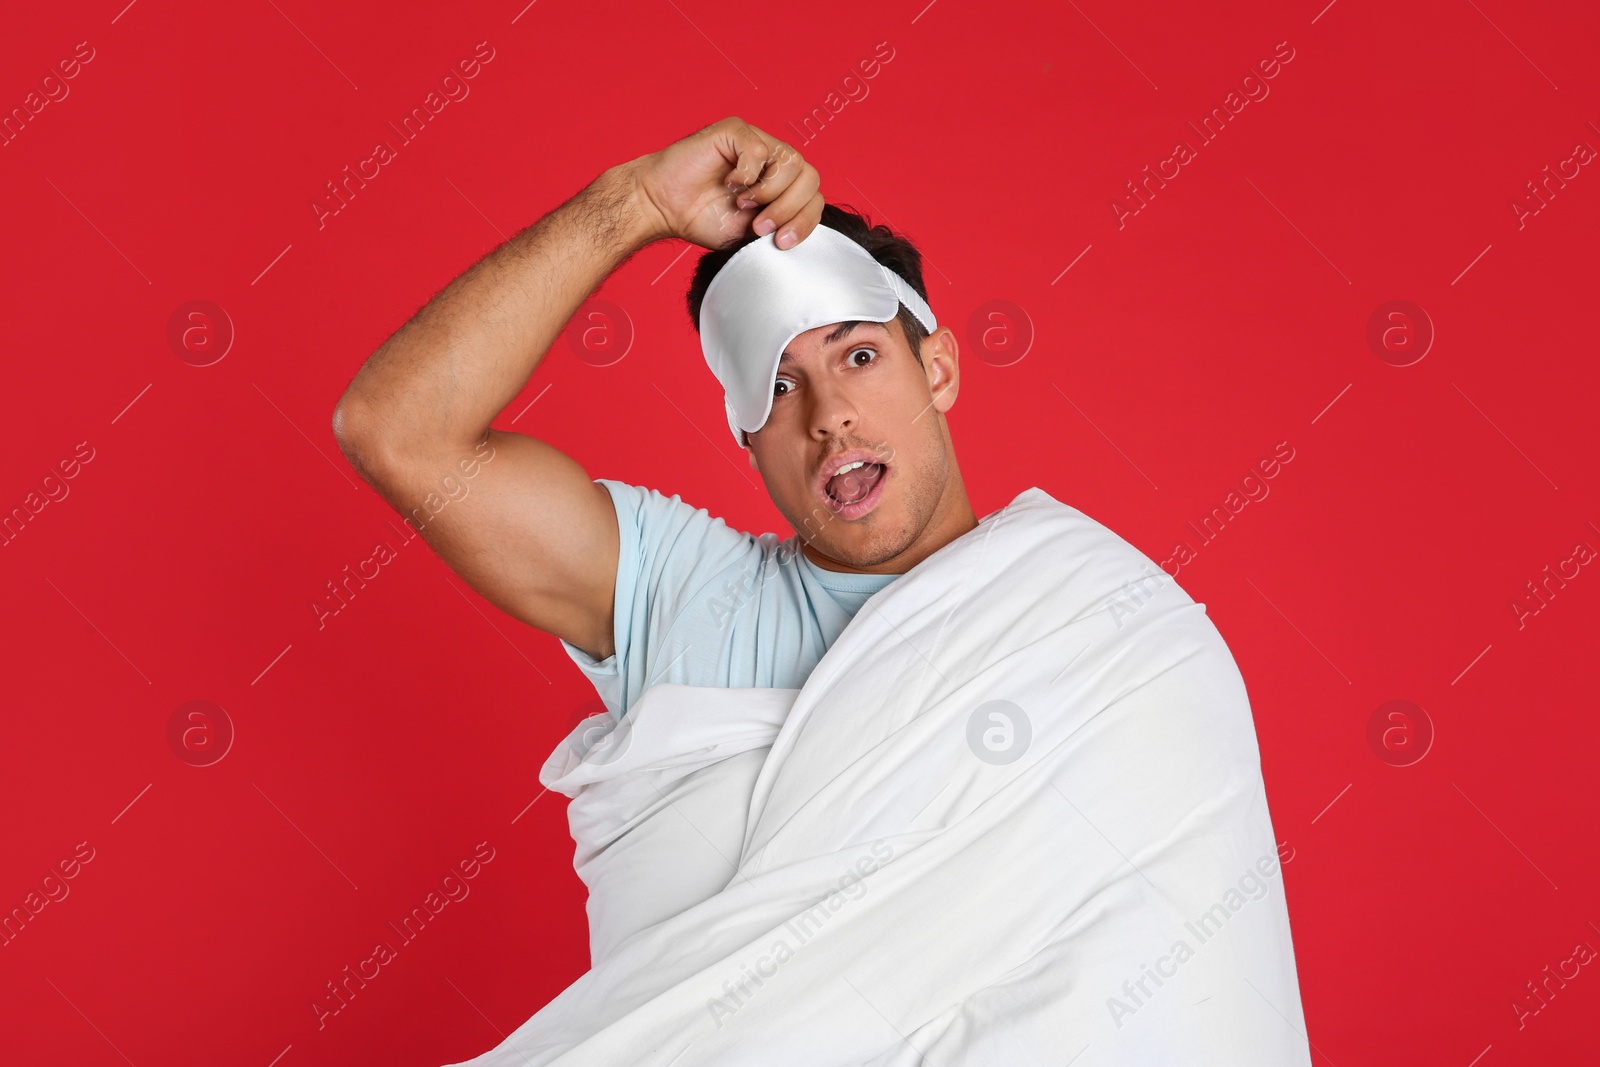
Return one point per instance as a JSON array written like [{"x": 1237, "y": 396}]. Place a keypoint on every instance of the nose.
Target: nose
[{"x": 833, "y": 413}]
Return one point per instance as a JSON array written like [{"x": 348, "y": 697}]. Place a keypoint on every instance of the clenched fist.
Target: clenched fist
[{"x": 714, "y": 186}]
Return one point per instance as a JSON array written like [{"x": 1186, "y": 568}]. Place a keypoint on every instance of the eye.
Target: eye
[{"x": 776, "y": 382}]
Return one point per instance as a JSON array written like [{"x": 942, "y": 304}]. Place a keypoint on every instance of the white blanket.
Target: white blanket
[{"x": 1015, "y": 816}]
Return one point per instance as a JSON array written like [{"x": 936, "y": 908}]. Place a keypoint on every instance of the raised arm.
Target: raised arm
[{"x": 525, "y": 526}]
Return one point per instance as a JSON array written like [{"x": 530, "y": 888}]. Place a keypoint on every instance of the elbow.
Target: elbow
[
  {"x": 353, "y": 431},
  {"x": 345, "y": 421},
  {"x": 346, "y": 424}
]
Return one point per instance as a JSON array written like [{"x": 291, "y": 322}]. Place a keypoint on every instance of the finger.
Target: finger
[
  {"x": 787, "y": 212},
  {"x": 749, "y": 150},
  {"x": 785, "y": 192},
  {"x": 784, "y": 165},
  {"x": 809, "y": 218}
]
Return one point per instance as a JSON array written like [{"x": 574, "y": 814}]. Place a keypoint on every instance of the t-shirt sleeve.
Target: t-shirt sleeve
[{"x": 668, "y": 551}]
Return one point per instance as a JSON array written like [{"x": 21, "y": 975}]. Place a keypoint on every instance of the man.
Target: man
[
  {"x": 640, "y": 588},
  {"x": 987, "y": 821}
]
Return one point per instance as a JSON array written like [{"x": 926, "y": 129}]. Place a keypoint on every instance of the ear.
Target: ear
[
  {"x": 753, "y": 464},
  {"x": 940, "y": 354}
]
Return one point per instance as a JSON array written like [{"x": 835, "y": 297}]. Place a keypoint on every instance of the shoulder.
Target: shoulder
[
  {"x": 665, "y": 540},
  {"x": 670, "y": 517}
]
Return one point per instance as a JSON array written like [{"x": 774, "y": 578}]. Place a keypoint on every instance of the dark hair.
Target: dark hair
[{"x": 885, "y": 246}]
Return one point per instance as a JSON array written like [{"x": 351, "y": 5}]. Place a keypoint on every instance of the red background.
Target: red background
[{"x": 1225, "y": 317}]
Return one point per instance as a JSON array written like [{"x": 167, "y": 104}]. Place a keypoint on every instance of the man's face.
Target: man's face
[{"x": 856, "y": 391}]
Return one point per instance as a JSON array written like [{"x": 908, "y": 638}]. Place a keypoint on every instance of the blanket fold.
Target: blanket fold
[{"x": 1014, "y": 816}]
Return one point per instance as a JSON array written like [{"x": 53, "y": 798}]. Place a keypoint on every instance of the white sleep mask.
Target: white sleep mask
[{"x": 764, "y": 297}]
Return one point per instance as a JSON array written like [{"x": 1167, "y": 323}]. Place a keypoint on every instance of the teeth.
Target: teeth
[{"x": 850, "y": 467}]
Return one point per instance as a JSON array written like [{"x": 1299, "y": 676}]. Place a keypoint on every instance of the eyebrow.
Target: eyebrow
[{"x": 837, "y": 332}]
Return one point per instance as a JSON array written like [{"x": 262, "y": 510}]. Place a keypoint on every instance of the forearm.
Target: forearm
[{"x": 438, "y": 382}]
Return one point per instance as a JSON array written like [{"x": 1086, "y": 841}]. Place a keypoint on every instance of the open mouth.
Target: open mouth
[{"x": 856, "y": 489}]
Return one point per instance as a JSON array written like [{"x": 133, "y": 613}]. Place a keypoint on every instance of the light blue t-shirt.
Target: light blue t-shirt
[{"x": 698, "y": 603}]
